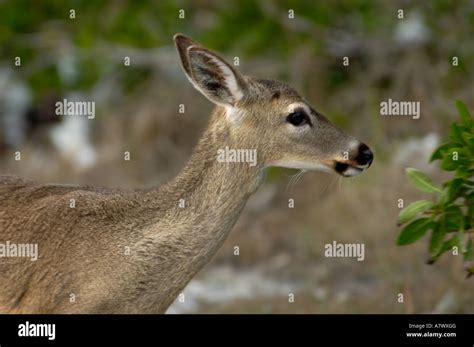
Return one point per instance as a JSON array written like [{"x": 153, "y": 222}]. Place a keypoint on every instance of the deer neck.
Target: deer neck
[
  {"x": 205, "y": 200},
  {"x": 217, "y": 180}
]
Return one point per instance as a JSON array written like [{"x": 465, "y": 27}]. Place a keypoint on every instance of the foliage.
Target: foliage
[
  {"x": 43, "y": 34},
  {"x": 450, "y": 217}
]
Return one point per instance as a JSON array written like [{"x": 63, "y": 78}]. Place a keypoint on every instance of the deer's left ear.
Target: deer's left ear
[{"x": 210, "y": 74}]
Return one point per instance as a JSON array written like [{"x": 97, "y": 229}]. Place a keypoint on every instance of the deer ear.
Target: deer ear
[
  {"x": 182, "y": 43},
  {"x": 209, "y": 73}
]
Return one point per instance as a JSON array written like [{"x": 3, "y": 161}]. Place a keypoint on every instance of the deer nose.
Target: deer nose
[{"x": 365, "y": 155}]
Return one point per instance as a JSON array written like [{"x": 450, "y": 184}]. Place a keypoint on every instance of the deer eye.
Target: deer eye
[{"x": 298, "y": 118}]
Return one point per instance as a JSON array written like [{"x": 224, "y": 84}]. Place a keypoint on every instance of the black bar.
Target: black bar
[{"x": 317, "y": 330}]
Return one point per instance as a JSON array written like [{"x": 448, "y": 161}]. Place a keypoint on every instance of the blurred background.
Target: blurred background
[{"x": 281, "y": 249}]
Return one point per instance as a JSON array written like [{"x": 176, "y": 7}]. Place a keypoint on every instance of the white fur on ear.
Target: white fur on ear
[
  {"x": 208, "y": 69},
  {"x": 229, "y": 76}
]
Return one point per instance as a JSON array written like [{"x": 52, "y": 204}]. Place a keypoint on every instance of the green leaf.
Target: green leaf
[
  {"x": 446, "y": 246},
  {"x": 468, "y": 184},
  {"x": 463, "y": 172},
  {"x": 422, "y": 181},
  {"x": 463, "y": 111},
  {"x": 448, "y": 163},
  {"x": 454, "y": 188},
  {"x": 470, "y": 143},
  {"x": 414, "y": 231},
  {"x": 453, "y": 218},
  {"x": 456, "y": 133},
  {"x": 436, "y": 240},
  {"x": 438, "y": 153},
  {"x": 410, "y": 212},
  {"x": 444, "y": 196}
]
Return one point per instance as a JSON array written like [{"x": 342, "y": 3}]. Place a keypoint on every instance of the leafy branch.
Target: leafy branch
[{"x": 450, "y": 216}]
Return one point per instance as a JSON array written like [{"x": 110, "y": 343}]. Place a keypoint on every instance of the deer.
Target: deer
[{"x": 135, "y": 250}]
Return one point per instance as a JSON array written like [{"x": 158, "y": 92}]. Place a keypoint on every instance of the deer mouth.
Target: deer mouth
[{"x": 348, "y": 170}]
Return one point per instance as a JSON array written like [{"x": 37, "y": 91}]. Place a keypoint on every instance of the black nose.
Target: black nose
[{"x": 365, "y": 156}]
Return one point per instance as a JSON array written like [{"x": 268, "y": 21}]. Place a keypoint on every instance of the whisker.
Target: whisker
[
  {"x": 331, "y": 183},
  {"x": 294, "y": 179}
]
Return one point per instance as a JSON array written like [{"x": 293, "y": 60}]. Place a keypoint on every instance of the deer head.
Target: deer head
[{"x": 271, "y": 117}]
